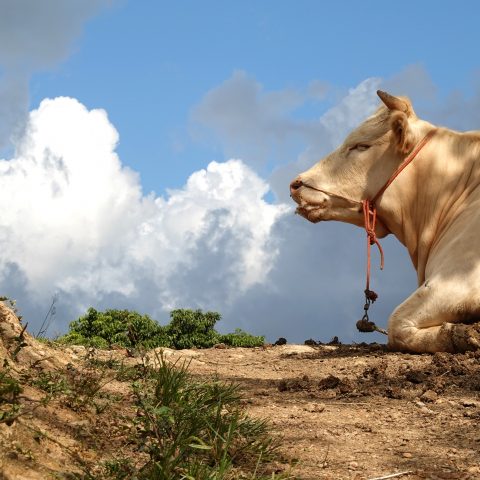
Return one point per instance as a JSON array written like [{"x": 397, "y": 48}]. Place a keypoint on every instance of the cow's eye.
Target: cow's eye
[{"x": 361, "y": 147}]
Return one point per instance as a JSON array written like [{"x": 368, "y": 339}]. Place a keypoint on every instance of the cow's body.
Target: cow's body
[{"x": 432, "y": 207}]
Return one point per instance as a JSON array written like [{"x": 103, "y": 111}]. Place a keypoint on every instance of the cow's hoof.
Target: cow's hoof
[{"x": 466, "y": 337}]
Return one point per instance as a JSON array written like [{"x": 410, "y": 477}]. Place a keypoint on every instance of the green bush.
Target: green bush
[
  {"x": 242, "y": 339},
  {"x": 129, "y": 329},
  {"x": 193, "y": 328},
  {"x": 116, "y": 327}
]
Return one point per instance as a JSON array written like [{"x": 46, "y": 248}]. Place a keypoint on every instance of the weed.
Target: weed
[
  {"x": 196, "y": 430},
  {"x": 53, "y": 383},
  {"x": 78, "y": 388},
  {"x": 48, "y": 318},
  {"x": 20, "y": 342},
  {"x": 10, "y": 390},
  {"x": 120, "y": 469},
  {"x": 12, "y": 305}
]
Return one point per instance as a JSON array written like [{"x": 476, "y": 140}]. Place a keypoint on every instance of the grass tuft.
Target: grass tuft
[{"x": 197, "y": 430}]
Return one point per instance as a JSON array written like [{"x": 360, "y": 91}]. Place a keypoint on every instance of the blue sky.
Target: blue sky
[
  {"x": 149, "y": 63},
  {"x": 272, "y": 84}
]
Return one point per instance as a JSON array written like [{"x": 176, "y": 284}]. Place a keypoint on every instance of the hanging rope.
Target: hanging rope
[{"x": 370, "y": 220}]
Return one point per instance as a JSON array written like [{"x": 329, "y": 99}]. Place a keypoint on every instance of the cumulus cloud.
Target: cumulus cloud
[
  {"x": 34, "y": 36},
  {"x": 75, "y": 221}
]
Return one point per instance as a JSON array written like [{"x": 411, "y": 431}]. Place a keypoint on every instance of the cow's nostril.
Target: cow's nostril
[{"x": 296, "y": 184}]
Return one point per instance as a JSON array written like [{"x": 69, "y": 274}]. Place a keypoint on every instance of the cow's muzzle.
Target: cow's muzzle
[{"x": 311, "y": 202}]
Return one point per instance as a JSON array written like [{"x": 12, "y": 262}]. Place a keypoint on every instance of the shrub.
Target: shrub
[
  {"x": 187, "y": 329},
  {"x": 122, "y": 327},
  {"x": 193, "y": 328},
  {"x": 242, "y": 339}
]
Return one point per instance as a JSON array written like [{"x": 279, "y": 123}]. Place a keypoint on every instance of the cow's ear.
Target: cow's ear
[
  {"x": 402, "y": 134},
  {"x": 396, "y": 103}
]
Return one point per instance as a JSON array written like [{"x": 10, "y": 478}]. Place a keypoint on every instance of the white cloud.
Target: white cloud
[{"x": 74, "y": 219}]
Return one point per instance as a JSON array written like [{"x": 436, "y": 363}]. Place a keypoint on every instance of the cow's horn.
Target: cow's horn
[{"x": 393, "y": 103}]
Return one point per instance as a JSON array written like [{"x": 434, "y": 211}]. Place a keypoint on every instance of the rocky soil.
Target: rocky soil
[{"x": 342, "y": 411}]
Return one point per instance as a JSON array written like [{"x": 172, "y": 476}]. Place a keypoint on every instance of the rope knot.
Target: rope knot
[
  {"x": 371, "y": 295},
  {"x": 372, "y": 236}
]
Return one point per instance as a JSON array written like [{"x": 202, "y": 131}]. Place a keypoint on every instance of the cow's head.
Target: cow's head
[{"x": 334, "y": 187}]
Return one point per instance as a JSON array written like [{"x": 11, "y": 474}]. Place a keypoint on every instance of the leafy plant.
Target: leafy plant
[
  {"x": 10, "y": 390},
  {"x": 122, "y": 327},
  {"x": 193, "y": 328},
  {"x": 77, "y": 387},
  {"x": 241, "y": 338},
  {"x": 53, "y": 383}
]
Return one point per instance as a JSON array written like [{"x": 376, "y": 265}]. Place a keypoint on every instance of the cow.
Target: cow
[{"x": 432, "y": 206}]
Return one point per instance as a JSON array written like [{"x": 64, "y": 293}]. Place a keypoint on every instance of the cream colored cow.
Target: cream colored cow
[{"x": 432, "y": 207}]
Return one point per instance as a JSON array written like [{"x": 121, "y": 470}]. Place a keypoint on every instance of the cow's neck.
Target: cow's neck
[{"x": 427, "y": 197}]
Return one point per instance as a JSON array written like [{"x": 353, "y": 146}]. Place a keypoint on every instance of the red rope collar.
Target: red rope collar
[{"x": 370, "y": 219}]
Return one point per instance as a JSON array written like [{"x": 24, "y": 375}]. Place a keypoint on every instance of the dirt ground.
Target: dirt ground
[
  {"x": 342, "y": 411},
  {"x": 360, "y": 412}
]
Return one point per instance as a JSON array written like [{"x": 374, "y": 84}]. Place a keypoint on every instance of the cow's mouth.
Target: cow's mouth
[{"x": 311, "y": 212}]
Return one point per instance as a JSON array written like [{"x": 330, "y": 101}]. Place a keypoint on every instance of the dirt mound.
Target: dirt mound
[
  {"x": 18, "y": 346},
  {"x": 395, "y": 375}
]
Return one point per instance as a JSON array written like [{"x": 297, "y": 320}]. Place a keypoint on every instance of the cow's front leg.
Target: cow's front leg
[{"x": 429, "y": 321}]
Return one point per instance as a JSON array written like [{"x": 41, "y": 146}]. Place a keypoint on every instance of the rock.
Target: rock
[
  {"x": 220, "y": 346},
  {"x": 407, "y": 455},
  {"x": 427, "y": 411},
  {"x": 429, "y": 396},
  {"x": 315, "y": 407},
  {"x": 353, "y": 465},
  {"x": 296, "y": 349},
  {"x": 281, "y": 341}
]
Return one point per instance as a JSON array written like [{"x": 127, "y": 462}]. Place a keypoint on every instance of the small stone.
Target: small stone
[
  {"x": 315, "y": 407},
  {"x": 220, "y": 346},
  {"x": 470, "y": 403},
  {"x": 407, "y": 455},
  {"x": 429, "y": 396},
  {"x": 426, "y": 411},
  {"x": 353, "y": 465}
]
